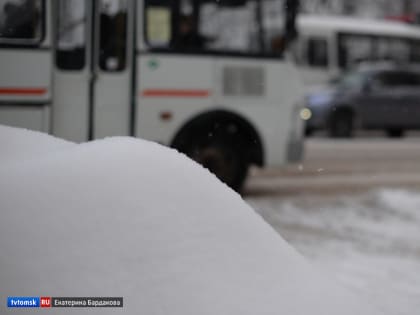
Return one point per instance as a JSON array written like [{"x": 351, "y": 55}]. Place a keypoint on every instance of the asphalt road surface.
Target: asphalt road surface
[{"x": 343, "y": 166}]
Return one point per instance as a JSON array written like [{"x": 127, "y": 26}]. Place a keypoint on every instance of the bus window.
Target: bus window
[
  {"x": 113, "y": 35},
  {"x": 392, "y": 49},
  {"x": 158, "y": 26},
  {"x": 227, "y": 28},
  {"x": 188, "y": 38},
  {"x": 71, "y": 35},
  {"x": 317, "y": 52},
  {"x": 220, "y": 26},
  {"x": 353, "y": 49},
  {"x": 20, "y": 21},
  {"x": 158, "y": 23}
]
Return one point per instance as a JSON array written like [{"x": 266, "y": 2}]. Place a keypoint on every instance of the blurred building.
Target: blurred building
[{"x": 398, "y": 9}]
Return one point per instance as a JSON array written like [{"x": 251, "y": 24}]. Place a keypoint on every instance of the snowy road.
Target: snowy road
[{"x": 353, "y": 209}]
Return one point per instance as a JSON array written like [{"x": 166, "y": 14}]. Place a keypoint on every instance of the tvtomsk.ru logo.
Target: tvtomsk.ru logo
[
  {"x": 23, "y": 301},
  {"x": 43, "y": 301}
]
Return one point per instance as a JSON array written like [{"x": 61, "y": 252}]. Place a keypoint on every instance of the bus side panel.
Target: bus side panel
[
  {"x": 178, "y": 85},
  {"x": 24, "y": 116},
  {"x": 268, "y": 93},
  {"x": 25, "y": 88},
  {"x": 186, "y": 86},
  {"x": 71, "y": 105}
]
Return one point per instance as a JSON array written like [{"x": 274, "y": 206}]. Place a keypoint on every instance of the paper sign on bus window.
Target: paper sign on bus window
[{"x": 158, "y": 26}]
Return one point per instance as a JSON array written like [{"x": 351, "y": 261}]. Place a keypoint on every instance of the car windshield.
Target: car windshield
[{"x": 351, "y": 81}]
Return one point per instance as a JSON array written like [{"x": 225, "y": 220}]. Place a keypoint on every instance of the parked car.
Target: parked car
[{"x": 383, "y": 97}]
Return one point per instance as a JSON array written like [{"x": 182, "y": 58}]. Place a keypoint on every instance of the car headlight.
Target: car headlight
[{"x": 305, "y": 113}]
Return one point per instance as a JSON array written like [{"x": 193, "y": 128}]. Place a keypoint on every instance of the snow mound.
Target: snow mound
[
  {"x": 126, "y": 217},
  {"x": 400, "y": 200},
  {"x": 369, "y": 242},
  {"x": 21, "y": 144}
]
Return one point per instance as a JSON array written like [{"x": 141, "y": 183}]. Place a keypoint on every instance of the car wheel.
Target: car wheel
[
  {"x": 309, "y": 132},
  {"x": 395, "y": 132},
  {"x": 221, "y": 159},
  {"x": 341, "y": 125}
]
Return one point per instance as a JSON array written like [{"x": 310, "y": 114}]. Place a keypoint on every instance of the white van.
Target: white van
[{"x": 328, "y": 45}]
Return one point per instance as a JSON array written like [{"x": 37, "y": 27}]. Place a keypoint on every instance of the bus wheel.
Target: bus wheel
[
  {"x": 222, "y": 160},
  {"x": 224, "y": 143},
  {"x": 341, "y": 125}
]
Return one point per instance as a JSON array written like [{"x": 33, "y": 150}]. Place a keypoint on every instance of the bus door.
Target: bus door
[
  {"x": 113, "y": 66},
  {"x": 93, "y": 76},
  {"x": 72, "y": 74},
  {"x": 25, "y": 63}
]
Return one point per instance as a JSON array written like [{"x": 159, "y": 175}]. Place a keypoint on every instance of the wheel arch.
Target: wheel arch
[{"x": 254, "y": 148}]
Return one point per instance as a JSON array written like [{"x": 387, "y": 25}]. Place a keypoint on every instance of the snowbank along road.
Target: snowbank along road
[{"x": 353, "y": 208}]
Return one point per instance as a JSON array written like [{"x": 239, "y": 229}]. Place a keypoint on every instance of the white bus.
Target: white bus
[
  {"x": 193, "y": 75},
  {"x": 328, "y": 45}
]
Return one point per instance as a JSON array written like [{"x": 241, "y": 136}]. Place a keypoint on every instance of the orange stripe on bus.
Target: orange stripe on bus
[
  {"x": 175, "y": 93},
  {"x": 23, "y": 91}
]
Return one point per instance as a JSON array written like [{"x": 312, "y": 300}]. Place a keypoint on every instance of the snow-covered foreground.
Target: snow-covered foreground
[
  {"x": 20, "y": 145},
  {"x": 126, "y": 217},
  {"x": 369, "y": 242}
]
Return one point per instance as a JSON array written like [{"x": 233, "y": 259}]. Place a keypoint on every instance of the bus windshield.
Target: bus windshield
[{"x": 214, "y": 26}]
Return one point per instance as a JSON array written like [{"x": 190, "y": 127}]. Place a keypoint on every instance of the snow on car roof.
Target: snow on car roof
[
  {"x": 131, "y": 218},
  {"x": 357, "y": 25},
  {"x": 372, "y": 66}
]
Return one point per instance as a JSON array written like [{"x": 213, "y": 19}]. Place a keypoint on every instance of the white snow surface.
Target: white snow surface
[
  {"x": 370, "y": 243},
  {"x": 126, "y": 217},
  {"x": 22, "y": 144}
]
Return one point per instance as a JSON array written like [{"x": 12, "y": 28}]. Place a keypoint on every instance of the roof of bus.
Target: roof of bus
[{"x": 357, "y": 25}]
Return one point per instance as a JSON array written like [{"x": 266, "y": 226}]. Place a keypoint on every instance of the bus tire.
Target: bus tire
[
  {"x": 220, "y": 140},
  {"x": 341, "y": 124},
  {"x": 221, "y": 159}
]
